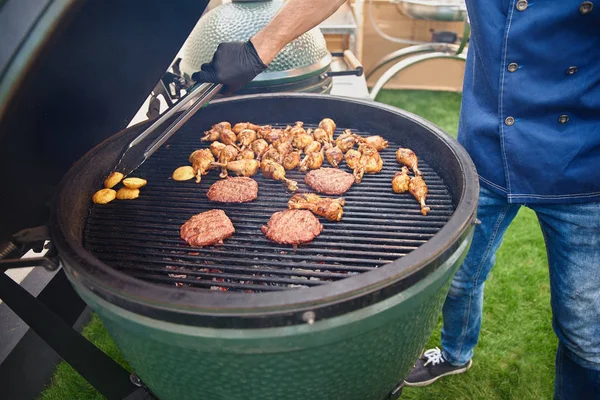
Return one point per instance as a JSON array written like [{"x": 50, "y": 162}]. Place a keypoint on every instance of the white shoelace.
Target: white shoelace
[{"x": 434, "y": 356}]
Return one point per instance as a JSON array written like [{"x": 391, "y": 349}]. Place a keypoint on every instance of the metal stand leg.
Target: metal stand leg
[{"x": 102, "y": 372}]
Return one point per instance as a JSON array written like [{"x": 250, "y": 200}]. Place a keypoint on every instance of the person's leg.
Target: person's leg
[
  {"x": 572, "y": 234},
  {"x": 463, "y": 306}
]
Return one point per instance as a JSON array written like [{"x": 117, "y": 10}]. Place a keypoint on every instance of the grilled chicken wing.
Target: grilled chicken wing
[
  {"x": 216, "y": 147},
  {"x": 376, "y": 141},
  {"x": 400, "y": 181},
  {"x": 312, "y": 160},
  {"x": 259, "y": 147},
  {"x": 246, "y": 154},
  {"x": 291, "y": 160},
  {"x": 228, "y": 154},
  {"x": 240, "y": 126},
  {"x": 201, "y": 162},
  {"x": 418, "y": 189},
  {"x": 275, "y": 171},
  {"x": 246, "y": 137},
  {"x": 328, "y": 126},
  {"x": 246, "y": 167},
  {"x": 409, "y": 158},
  {"x": 334, "y": 155},
  {"x": 345, "y": 141},
  {"x": 322, "y": 206}
]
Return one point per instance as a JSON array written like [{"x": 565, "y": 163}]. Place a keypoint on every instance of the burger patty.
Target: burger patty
[
  {"x": 233, "y": 190},
  {"x": 207, "y": 228},
  {"x": 329, "y": 180},
  {"x": 292, "y": 227}
]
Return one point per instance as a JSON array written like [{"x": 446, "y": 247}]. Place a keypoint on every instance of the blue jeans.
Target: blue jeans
[{"x": 572, "y": 235}]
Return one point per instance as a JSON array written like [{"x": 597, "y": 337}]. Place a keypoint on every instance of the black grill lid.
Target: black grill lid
[{"x": 72, "y": 74}]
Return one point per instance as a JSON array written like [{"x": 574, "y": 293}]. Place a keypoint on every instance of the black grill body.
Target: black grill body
[{"x": 381, "y": 247}]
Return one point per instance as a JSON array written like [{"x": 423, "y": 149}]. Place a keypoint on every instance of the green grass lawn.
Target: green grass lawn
[{"x": 515, "y": 356}]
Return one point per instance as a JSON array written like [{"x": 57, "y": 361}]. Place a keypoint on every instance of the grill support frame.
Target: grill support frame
[{"x": 235, "y": 310}]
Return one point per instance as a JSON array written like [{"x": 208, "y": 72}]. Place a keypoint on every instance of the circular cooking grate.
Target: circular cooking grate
[{"x": 141, "y": 237}]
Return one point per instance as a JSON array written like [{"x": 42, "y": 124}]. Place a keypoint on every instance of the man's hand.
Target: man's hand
[{"x": 234, "y": 65}]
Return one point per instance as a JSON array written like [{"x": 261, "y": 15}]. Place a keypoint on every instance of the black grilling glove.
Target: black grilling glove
[{"x": 234, "y": 64}]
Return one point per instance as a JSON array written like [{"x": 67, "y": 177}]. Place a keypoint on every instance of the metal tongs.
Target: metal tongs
[{"x": 136, "y": 154}]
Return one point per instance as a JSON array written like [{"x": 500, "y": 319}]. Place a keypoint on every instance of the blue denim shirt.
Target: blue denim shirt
[{"x": 530, "y": 115}]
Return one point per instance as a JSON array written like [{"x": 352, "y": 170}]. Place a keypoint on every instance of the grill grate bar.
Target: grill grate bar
[{"x": 141, "y": 237}]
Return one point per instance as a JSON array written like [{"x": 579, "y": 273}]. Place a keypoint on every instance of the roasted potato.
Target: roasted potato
[
  {"x": 184, "y": 173},
  {"x": 134, "y": 183},
  {"x": 128, "y": 194},
  {"x": 113, "y": 179},
  {"x": 104, "y": 196}
]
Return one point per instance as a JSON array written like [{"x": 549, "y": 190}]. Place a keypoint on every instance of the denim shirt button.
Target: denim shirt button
[
  {"x": 586, "y": 7},
  {"x": 509, "y": 121},
  {"x": 563, "y": 119},
  {"x": 513, "y": 67},
  {"x": 522, "y": 5}
]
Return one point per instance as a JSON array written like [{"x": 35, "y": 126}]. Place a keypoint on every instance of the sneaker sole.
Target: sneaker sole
[{"x": 429, "y": 382}]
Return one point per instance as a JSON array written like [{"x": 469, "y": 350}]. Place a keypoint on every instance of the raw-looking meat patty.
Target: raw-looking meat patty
[
  {"x": 329, "y": 180},
  {"x": 233, "y": 190},
  {"x": 292, "y": 227},
  {"x": 207, "y": 228}
]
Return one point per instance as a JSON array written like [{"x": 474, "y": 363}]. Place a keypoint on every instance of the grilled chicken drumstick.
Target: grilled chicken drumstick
[
  {"x": 291, "y": 160},
  {"x": 409, "y": 158},
  {"x": 418, "y": 189},
  {"x": 400, "y": 181},
  {"x": 245, "y": 167},
  {"x": 272, "y": 155},
  {"x": 321, "y": 136},
  {"x": 322, "y": 206},
  {"x": 246, "y": 154},
  {"x": 376, "y": 141},
  {"x": 201, "y": 162},
  {"x": 259, "y": 147},
  {"x": 228, "y": 137},
  {"x": 228, "y": 154},
  {"x": 216, "y": 147},
  {"x": 345, "y": 141},
  {"x": 240, "y": 126},
  {"x": 273, "y": 170},
  {"x": 215, "y": 131},
  {"x": 328, "y": 126},
  {"x": 313, "y": 160},
  {"x": 334, "y": 155},
  {"x": 246, "y": 137}
]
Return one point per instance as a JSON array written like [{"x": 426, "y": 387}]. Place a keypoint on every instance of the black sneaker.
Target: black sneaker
[{"x": 432, "y": 366}]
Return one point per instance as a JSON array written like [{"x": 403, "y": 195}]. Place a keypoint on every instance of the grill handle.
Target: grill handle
[{"x": 354, "y": 66}]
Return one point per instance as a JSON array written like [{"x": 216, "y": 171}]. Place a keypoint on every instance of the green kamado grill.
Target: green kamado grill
[{"x": 343, "y": 317}]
